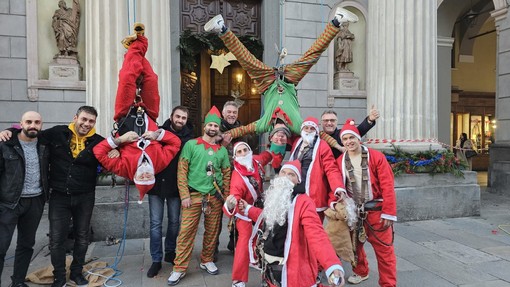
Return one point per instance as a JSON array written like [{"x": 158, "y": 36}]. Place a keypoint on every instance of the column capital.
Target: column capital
[{"x": 499, "y": 15}]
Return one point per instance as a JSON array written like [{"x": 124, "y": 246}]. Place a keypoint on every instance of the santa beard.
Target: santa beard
[
  {"x": 308, "y": 137},
  {"x": 277, "y": 202},
  {"x": 246, "y": 161}
]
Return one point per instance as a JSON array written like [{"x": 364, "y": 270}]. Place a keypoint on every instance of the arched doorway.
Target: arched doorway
[
  {"x": 466, "y": 70},
  {"x": 202, "y": 87}
]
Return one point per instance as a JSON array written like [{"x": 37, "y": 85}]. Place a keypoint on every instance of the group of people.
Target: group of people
[{"x": 280, "y": 229}]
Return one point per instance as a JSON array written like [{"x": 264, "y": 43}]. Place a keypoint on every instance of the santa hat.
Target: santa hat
[
  {"x": 295, "y": 166},
  {"x": 236, "y": 146},
  {"x": 311, "y": 121},
  {"x": 213, "y": 116},
  {"x": 350, "y": 128}
]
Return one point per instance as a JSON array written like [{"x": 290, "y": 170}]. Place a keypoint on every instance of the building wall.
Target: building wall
[
  {"x": 304, "y": 22},
  {"x": 56, "y": 106}
]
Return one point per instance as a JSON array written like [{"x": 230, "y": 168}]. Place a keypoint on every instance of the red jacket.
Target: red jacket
[
  {"x": 160, "y": 151},
  {"x": 323, "y": 177},
  {"x": 307, "y": 247},
  {"x": 382, "y": 185},
  {"x": 240, "y": 187}
]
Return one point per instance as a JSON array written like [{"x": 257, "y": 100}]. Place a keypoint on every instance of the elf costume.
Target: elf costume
[{"x": 203, "y": 175}]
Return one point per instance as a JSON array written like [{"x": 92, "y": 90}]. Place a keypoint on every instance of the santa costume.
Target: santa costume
[
  {"x": 377, "y": 188},
  {"x": 306, "y": 244},
  {"x": 246, "y": 183},
  {"x": 320, "y": 173},
  {"x": 140, "y": 156}
]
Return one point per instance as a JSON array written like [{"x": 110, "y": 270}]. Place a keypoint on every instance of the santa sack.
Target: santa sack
[{"x": 338, "y": 232}]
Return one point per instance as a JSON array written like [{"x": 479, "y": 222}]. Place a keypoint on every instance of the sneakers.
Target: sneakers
[
  {"x": 170, "y": 257},
  {"x": 210, "y": 267},
  {"x": 342, "y": 15},
  {"x": 175, "y": 277},
  {"x": 21, "y": 284},
  {"x": 154, "y": 269},
  {"x": 356, "y": 279},
  {"x": 216, "y": 24},
  {"x": 238, "y": 284},
  {"x": 79, "y": 280},
  {"x": 59, "y": 283}
]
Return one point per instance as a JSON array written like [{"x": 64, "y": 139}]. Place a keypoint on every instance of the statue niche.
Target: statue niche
[
  {"x": 344, "y": 78},
  {"x": 66, "y": 23}
]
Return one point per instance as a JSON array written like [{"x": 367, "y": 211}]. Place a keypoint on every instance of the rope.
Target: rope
[{"x": 120, "y": 250}]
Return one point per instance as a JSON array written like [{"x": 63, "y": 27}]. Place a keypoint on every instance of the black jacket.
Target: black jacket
[
  {"x": 67, "y": 174},
  {"x": 12, "y": 170},
  {"x": 166, "y": 180},
  {"x": 363, "y": 129}
]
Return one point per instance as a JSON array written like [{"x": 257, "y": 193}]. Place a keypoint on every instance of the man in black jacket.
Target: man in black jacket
[
  {"x": 73, "y": 176},
  {"x": 329, "y": 124},
  {"x": 165, "y": 188},
  {"x": 23, "y": 192}
]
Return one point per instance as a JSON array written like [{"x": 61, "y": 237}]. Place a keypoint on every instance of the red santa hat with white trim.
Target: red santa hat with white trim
[
  {"x": 350, "y": 128},
  {"x": 311, "y": 121},
  {"x": 295, "y": 166}
]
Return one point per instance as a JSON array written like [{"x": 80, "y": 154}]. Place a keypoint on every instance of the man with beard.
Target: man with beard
[
  {"x": 23, "y": 192},
  {"x": 73, "y": 174},
  {"x": 369, "y": 181},
  {"x": 329, "y": 121},
  {"x": 203, "y": 178},
  {"x": 319, "y": 171},
  {"x": 246, "y": 184},
  {"x": 165, "y": 188},
  {"x": 293, "y": 239}
]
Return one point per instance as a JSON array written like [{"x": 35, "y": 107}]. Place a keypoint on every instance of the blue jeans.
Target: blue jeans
[{"x": 156, "y": 208}]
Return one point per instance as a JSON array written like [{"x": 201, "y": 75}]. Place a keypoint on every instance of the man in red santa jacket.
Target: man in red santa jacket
[
  {"x": 141, "y": 157},
  {"x": 245, "y": 183},
  {"x": 369, "y": 181},
  {"x": 293, "y": 238},
  {"x": 319, "y": 171}
]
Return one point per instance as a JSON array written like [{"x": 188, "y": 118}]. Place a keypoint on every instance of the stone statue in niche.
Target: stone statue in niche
[
  {"x": 343, "y": 53},
  {"x": 66, "y": 24}
]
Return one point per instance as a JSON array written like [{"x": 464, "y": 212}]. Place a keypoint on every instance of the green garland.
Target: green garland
[
  {"x": 431, "y": 161},
  {"x": 191, "y": 44}
]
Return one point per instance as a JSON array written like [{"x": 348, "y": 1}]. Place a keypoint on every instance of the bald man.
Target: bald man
[{"x": 23, "y": 192}]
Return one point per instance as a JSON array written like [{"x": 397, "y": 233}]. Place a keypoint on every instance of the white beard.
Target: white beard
[
  {"x": 277, "y": 202},
  {"x": 308, "y": 137},
  {"x": 246, "y": 160}
]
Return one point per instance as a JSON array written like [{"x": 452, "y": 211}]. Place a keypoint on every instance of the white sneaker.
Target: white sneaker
[
  {"x": 175, "y": 277},
  {"x": 356, "y": 279},
  {"x": 215, "y": 24},
  {"x": 238, "y": 284},
  {"x": 343, "y": 15},
  {"x": 210, "y": 267}
]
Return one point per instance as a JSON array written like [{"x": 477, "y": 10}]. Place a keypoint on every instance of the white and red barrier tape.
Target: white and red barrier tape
[{"x": 378, "y": 141}]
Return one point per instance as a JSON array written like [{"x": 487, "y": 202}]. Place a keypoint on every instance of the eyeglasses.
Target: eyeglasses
[{"x": 329, "y": 120}]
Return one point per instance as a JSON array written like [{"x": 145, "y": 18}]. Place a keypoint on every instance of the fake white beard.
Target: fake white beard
[
  {"x": 278, "y": 201},
  {"x": 246, "y": 160},
  {"x": 308, "y": 137}
]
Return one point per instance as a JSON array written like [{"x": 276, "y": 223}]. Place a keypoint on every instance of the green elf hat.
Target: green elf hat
[{"x": 213, "y": 116}]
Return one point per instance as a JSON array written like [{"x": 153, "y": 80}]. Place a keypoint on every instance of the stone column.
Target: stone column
[
  {"x": 444, "y": 88},
  {"x": 499, "y": 168},
  {"x": 402, "y": 69},
  {"x": 106, "y": 26}
]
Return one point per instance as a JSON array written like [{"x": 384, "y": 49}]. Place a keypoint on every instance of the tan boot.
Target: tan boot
[{"x": 138, "y": 29}]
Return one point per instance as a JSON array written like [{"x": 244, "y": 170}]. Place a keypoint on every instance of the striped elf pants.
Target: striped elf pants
[
  {"x": 189, "y": 226},
  {"x": 262, "y": 75}
]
